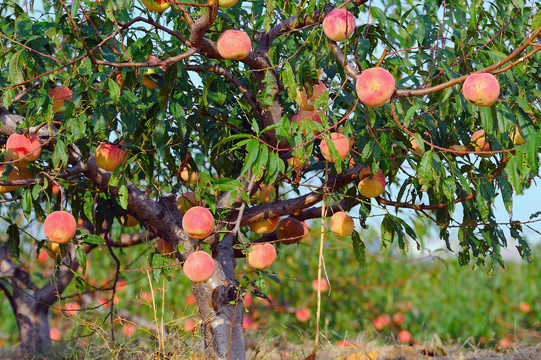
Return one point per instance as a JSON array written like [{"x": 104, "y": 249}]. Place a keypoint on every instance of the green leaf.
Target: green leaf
[
  {"x": 359, "y": 249},
  {"x": 60, "y": 154},
  {"x": 265, "y": 96},
  {"x": 114, "y": 90},
  {"x": 88, "y": 205},
  {"x": 92, "y": 239},
  {"x": 13, "y": 240},
  {"x": 252, "y": 148},
  {"x": 123, "y": 199},
  {"x": 15, "y": 70},
  {"x": 387, "y": 232},
  {"x": 81, "y": 257}
]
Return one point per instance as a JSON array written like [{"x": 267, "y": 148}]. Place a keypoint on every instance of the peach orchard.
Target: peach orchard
[{"x": 221, "y": 127}]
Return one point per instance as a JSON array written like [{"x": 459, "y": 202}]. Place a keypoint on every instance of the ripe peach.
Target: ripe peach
[
  {"x": 341, "y": 144},
  {"x": 524, "y": 307},
  {"x": 128, "y": 329},
  {"x": 190, "y": 300},
  {"x": 324, "y": 285},
  {"x": 317, "y": 91},
  {"x": 60, "y": 227},
  {"x": 55, "y": 190},
  {"x": 480, "y": 144},
  {"x": 189, "y": 325},
  {"x": 248, "y": 300},
  {"x": 13, "y": 175},
  {"x": 303, "y": 315},
  {"x": 188, "y": 175},
  {"x": 381, "y": 322},
  {"x": 404, "y": 336},
  {"x": 342, "y": 224},
  {"x": 375, "y": 86},
  {"x": 398, "y": 318},
  {"x": 42, "y": 257},
  {"x": 265, "y": 193},
  {"x": 264, "y": 226},
  {"x": 227, "y": 3},
  {"x": 506, "y": 342},
  {"x": 128, "y": 221},
  {"x": 156, "y": 5},
  {"x": 71, "y": 308},
  {"x": 147, "y": 79},
  {"x": 234, "y": 45},
  {"x": 261, "y": 256},
  {"x": 246, "y": 323},
  {"x": 120, "y": 79},
  {"x": 109, "y": 156},
  {"x": 307, "y": 115},
  {"x": 60, "y": 95},
  {"x": 164, "y": 247},
  {"x": 289, "y": 231},
  {"x": 339, "y": 24},
  {"x": 198, "y": 222},
  {"x": 516, "y": 137},
  {"x": 23, "y": 147},
  {"x": 415, "y": 146},
  {"x": 186, "y": 201},
  {"x": 371, "y": 186},
  {"x": 481, "y": 89},
  {"x": 199, "y": 266}
]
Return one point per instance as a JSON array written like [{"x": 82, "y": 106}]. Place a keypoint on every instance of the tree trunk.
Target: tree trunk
[
  {"x": 220, "y": 307},
  {"x": 33, "y": 323}
]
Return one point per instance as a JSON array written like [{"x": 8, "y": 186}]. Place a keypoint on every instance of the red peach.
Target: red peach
[
  {"x": 198, "y": 222},
  {"x": 264, "y": 226},
  {"x": 524, "y": 307},
  {"x": 324, "y": 285},
  {"x": 234, "y": 45},
  {"x": 60, "y": 227},
  {"x": 481, "y": 144},
  {"x": 27, "y": 148},
  {"x": 60, "y": 95},
  {"x": 189, "y": 325},
  {"x": 190, "y": 300},
  {"x": 164, "y": 247},
  {"x": 128, "y": 329},
  {"x": 344, "y": 343},
  {"x": 342, "y": 224},
  {"x": 248, "y": 300},
  {"x": 404, "y": 336},
  {"x": 371, "y": 186},
  {"x": 481, "y": 89},
  {"x": 109, "y": 156},
  {"x": 317, "y": 91},
  {"x": 339, "y": 24},
  {"x": 71, "y": 308},
  {"x": 341, "y": 144},
  {"x": 398, "y": 318},
  {"x": 55, "y": 334},
  {"x": 156, "y": 5},
  {"x": 55, "y": 190},
  {"x": 261, "y": 256},
  {"x": 42, "y": 257},
  {"x": 375, "y": 86},
  {"x": 246, "y": 323},
  {"x": 290, "y": 231},
  {"x": 303, "y": 315},
  {"x": 146, "y": 296},
  {"x": 199, "y": 266},
  {"x": 308, "y": 116},
  {"x": 186, "y": 201},
  {"x": 506, "y": 342},
  {"x": 120, "y": 79}
]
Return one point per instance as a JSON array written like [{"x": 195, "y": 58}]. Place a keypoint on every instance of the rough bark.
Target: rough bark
[{"x": 222, "y": 320}]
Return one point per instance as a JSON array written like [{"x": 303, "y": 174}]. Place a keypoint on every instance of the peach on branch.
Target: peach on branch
[
  {"x": 261, "y": 256},
  {"x": 317, "y": 91},
  {"x": 59, "y": 227},
  {"x": 265, "y": 193},
  {"x": 264, "y": 226},
  {"x": 290, "y": 231},
  {"x": 198, "y": 222},
  {"x": 516, "y": 137},
  {"x": 307, "y": 115},
  {"x": 13, "y": 175},
  {"x": 109, "y": 156},
  {"x": 156, "y": 5},
  {"x": 147, "y": 80},
  {"x": 227, "y": 3},
  {"x": 164, "y": 247},
  {"x": 481, "y": 89},
  {"x": 59, "y": 95},
  {"x": 339, "y": 24},
  {"x": 371, "y": 186},
  {"x": 234, "y": 45},
  {"x": 186, "y": 201},
  {"x": 53, "y": 250},
  {"x": 341, "y": 144},
  {"x": 375, "y": 86},
  {"x": 199, "y": 266},
  {"x": 27, "y": 148},
  {"x": 342, "y": 224},
  {"x": 481, "y": 144},
  {"x": 128, "y": 220},
  {"x": 188, "y": 175}
]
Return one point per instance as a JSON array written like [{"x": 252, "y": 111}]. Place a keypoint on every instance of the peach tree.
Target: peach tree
[{"x": 253, "y": 117}]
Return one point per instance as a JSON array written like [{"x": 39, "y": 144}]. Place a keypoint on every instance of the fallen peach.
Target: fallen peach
[
  {"x": 375, "y": 86},
  {"x": 261, "y": 256},
  {"x": 404, "y": 336},
  {"x": 109, "y": 156},
  {"x": 303, "y": 315},
  {"x": 342, "y": 224},
  {"x": 27, "y": 148},
  {"x": 371, "y": 186},
  {"x": 234, "y": 45},
  {"x": 264, "y": 226},
  {"x": 341, "y": 144},
  {"x": 289, "y": 231},
  {"x": 59, "y": 227},
  {"x": 339, "y": 24},
  {"x": 481, "y": 89},
  {"x": 198, "y": 222},
  {"x": 199, "y": 266}
]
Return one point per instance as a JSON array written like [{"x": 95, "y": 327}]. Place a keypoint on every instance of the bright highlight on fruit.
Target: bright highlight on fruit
[
  {"x": 375, "y": 86},
  {"x": 234, "y": 45},
  {"x": 339, "y": 24},
  {"x": 261, "y": 256},
  {"x": 481, "y": 89},
  {"x": 371, "y": 186},
  {"x": 27, "y": 148},
  {"x": 198, "y": 222},
  {"x": 59, "y": 227},
  {"x": 199, "y": 266}
]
